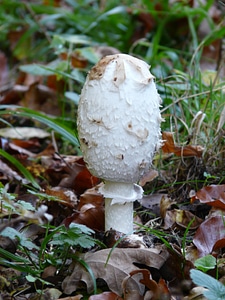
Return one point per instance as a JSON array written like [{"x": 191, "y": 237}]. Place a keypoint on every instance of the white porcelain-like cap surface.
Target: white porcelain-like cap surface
[{"x": 119, "y": 119}]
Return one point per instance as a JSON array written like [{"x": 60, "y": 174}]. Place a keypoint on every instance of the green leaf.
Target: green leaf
[
  {"x": 36, "y": 69},
  {"x": 26, "y": 205},
  {"x": 216, "y": 290},
  {"x": 205, "y": 263},
  {"x": 23, "y": 240},
  {"x": 31, "y": 278},
  {"x": 89, "y": 54},
  {"x": 75, "y": 235},
  {"x": 4, "y": 254},
  {"x": 85, "y": 242},
  {"x": 74, "y": 97},
  {"x": 75, "y": 39},
  {"x": 16, "y": 262},
  {"x": 114, "y": 11},
  {"x": 78, "y": 76},
  {"x": 81, "y": 228}
]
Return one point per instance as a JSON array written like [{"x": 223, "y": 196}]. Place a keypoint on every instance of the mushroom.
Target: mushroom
[{"x": 119, "y": 132}]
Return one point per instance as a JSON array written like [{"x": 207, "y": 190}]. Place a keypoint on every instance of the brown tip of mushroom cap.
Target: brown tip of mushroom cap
[{"x": 99, "y": 69}]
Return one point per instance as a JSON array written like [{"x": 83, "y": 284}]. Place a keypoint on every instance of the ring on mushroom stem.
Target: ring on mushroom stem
[{"x": 119, "y": 130}]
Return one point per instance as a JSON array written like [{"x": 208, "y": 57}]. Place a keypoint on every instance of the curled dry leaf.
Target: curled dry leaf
[
  {"x": 181, "y": 218},
  {"x": 155, "y": 290},
  {"x": 176, "y": 268},
  {"x": 170, "y": 147},
  {"x": 213, "y": 195},
  {"x": 113, "y": 266},
  {"x": 210, "y": 236},
  {"x": 165, "y": 204}
]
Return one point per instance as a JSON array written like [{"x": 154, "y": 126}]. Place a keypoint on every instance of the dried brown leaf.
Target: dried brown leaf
[
  {"x": 90, "y": 211},
  {"x": 210, "y": 235},
  {"x": 213, "y": 195},
  {"x": 152, "y": 174},
  {"x": 165, "y": 204},
  {"x": 170, "y": 147},
  {"x": 120, "y": 264},
  {"x": 181, "y": 218}
]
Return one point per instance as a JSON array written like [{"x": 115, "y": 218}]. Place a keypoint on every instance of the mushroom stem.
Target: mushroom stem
[
  {"x": 119, "y": 216},
  {"x": 119, "y": 198}
]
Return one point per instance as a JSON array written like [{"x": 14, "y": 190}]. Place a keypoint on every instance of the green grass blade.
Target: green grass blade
[
  {"x": 21, "y": 168},
  {"x": 86, "y": 266},
  {"x": 62, "y": 129},
  {"x": 15, "y": 262}
]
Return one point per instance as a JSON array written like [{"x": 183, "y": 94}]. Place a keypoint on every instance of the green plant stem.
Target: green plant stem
[{"x": 26, "y": 251}]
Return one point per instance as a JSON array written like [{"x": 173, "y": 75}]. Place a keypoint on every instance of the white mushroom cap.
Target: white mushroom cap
[{"x": 119, "y": 119}]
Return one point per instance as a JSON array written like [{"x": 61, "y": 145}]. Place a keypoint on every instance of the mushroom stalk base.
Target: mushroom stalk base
[
  {"x": 119, "y": 216},
  {"x": 119, "y": 198}
]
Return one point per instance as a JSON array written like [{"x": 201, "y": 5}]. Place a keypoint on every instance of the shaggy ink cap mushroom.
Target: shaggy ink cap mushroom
[{"x": 119, "y": 131}]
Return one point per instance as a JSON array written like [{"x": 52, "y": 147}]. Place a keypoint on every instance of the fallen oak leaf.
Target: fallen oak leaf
[
  {"x": 113, "y": 266},
  {"x": 163, "y": 290}
]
